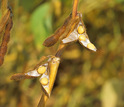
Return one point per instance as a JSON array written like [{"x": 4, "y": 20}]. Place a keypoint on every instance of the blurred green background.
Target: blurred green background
[{"x": 85, "y": 79}]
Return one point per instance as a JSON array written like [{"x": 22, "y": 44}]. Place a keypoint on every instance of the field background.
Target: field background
[{"x": 85, "y": 78}]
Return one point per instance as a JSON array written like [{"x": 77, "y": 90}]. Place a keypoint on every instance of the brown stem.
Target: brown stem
[
  {"x": 60, "y": 50},
  {"x": 4, "y": 5},
  {"x": 42, "y": 100},
  {"x": 74, "y": 11},
  {"x": 74, "y": 14}
]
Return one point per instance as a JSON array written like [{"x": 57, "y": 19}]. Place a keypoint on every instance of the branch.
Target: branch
[
  {"x": 4, "y": 5},
  {"x": 74, "y": 11},
  {"x": 74, "y": 14},
  {"x": 60, "y": 50}
]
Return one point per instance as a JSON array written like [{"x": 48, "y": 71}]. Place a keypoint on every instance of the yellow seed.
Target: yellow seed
[
  {"x": 44, "y": 81},
  {"x": 82, "y": 38},
  {"x": 91, "y": 46},
  {"x": 81, "y": 29},
  {"x": 41, "y": 69}
]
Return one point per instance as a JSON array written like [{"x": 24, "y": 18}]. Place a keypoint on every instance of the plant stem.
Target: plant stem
[
  {"x": 4, "y": 5},
  {"x": 74, "y": 11},
  {"x": 74, "y": 14},
  {"x": 60, "y": 50}
]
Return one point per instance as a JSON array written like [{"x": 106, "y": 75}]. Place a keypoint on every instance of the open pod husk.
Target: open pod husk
[
  {"x": 78, "y": 33},
  {"x": 53, "y": 65}
]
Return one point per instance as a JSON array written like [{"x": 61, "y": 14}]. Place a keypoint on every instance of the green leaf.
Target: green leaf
[
  {"x": 41, "y": 24},
  {"x": 27, "y": 4},
  {"x": 119, "y": 1}
]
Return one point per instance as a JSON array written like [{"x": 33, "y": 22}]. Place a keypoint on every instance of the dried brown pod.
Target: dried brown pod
[
  {"x": 54, "y": 38},
  {"x": 4, "y": 19},
  {"x": 5, "y": 40},
  {"x": 21, "y": 76},
  {"x": 62, "y": 32}
]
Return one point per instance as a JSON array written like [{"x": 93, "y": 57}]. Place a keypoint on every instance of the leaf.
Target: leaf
[
  {"x": 41, "y": 24},
  {"x": 108, "y": 95},
  {"x": 27, "y": 4},
  {"x": 119, "y": 1}
]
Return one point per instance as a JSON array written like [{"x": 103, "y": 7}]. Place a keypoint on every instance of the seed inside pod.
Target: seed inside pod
[
  {"x": 82, "y": 38},
  {"x": 81, "y": 29},
  {"x": 91, "y": 46},
  {"x": 44, "y": 81},
  {"x": 41, "y": 69}
]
